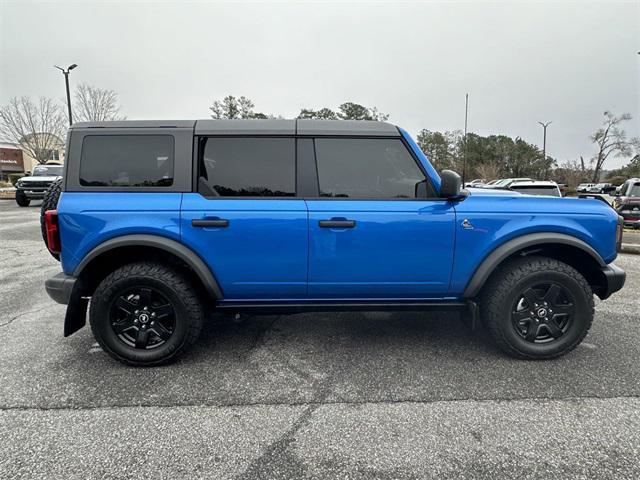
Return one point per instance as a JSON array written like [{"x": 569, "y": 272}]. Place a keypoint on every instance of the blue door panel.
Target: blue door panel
[
  {"x": 261, "y": 254},
  {"x": 397, "y": 249}
]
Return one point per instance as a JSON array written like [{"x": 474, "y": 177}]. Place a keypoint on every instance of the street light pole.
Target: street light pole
[
  {"x": 66, "y": 82},
  {"x": 464, "y": 158},
  {"x": 544, "y": 140}
]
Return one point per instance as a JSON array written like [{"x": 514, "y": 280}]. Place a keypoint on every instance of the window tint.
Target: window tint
[
  {"x": 127, "y": 161},
  {"x": 249, "y": 167},
  {"x": 366, "y": 168}
]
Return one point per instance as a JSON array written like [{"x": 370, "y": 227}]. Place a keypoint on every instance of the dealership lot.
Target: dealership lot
[{"x": 373, "y": 395}]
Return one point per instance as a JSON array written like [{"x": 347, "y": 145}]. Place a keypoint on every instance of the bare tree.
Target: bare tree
[
  {"x": 489, "y": 170},
  {"x": 37, "y": 127},
  {"x": 92, "y": 104},
  {"x": 610, "y": 140},
  {"x": 572, "y": 173}
]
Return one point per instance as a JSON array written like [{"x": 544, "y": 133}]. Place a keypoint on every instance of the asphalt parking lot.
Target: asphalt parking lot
[{"x": 371, "y": 396}]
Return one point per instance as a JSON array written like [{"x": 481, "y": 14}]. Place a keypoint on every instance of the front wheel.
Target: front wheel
[
  {"x": 22, "y": 200},
  {"x": 537, "y": 308},
  {"x": 145, "y": 314}
]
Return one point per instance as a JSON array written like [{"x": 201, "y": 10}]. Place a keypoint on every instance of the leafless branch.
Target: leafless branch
[
  {"x": 92, "y": 104},
  {"x": 37, "y": 127}
]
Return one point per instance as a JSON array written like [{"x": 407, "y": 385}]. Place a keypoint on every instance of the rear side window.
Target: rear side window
[
  {"x": 127, "y": 161},
  {"x": 248, "y": 167},
  {"x": 366, "y": 168}
]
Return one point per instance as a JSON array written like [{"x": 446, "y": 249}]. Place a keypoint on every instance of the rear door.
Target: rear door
[
  {"x": 370, "y": 234},
  {"x": 245, "y": 219}
]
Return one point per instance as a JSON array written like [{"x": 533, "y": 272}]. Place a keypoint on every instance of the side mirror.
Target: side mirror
[
  {"x": 451, "y": 184},
  {"x": 421, "y": 189}
]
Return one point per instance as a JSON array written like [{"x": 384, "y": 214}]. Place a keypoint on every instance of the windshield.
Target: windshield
[
  {"x": 538, "y": 190},
  {"x": 634, "y": 191},
  {"x": 48, "y": 171}
]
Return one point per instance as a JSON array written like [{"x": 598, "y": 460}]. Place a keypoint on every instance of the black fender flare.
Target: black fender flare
[
  {"x": 491, "y": 261},
  {"x": 188, "y": 256}
]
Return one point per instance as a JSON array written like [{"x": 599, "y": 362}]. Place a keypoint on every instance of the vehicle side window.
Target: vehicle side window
[
  {"x": 127, "y": 161},
  {"x": 366, "y": 168},
  {"x": 248, "y": 167}
]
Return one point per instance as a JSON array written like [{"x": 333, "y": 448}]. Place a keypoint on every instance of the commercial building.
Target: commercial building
[
  {"x": 14, "y": 158},
  {"x": 11, "y": 160}
]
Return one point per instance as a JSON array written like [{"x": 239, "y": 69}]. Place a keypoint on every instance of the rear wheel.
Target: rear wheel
[
  {"x": 21, "y": 199},
  {"x": 537, "y": 308},
  {"x": 145, "y": 314}
]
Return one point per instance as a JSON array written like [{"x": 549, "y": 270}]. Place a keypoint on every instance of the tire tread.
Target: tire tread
[{"x": 50, "y": 202}]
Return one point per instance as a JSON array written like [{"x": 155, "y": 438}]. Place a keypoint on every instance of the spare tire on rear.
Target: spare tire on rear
[{"x": 50, "y": 202}]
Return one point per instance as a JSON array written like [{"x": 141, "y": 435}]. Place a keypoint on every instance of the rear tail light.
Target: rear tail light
[
  {"x": 53, "y": 232},
  {"x": 619, "y": 229}
]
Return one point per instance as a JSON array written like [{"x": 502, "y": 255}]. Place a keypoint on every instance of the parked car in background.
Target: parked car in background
[
  {"x": 506, "y": 182},
  {"x": 537, "y": 187},
  {"x": 605, "y": 188},
  {"x": 478, "y": 182},
  {"x": 627, "y": 203},
  {"x": 584, "y": 187},
  {"x": 33, "y": 187}
]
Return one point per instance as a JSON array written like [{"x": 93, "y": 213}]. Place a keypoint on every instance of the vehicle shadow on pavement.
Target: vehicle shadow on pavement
[{"x": 308, "y": 359}]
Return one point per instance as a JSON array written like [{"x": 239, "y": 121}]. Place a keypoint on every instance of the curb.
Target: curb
[{"x": 630, "y": 248}]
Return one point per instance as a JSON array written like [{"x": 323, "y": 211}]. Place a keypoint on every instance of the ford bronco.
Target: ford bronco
[
  {"x": 34, "y": 186},
  {"x": 159, "y": 222}
]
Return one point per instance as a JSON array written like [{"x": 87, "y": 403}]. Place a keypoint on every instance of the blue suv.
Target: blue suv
[{"x": 159, "y": 222}]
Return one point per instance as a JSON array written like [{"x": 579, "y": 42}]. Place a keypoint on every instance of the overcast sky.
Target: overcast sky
[{"x": 520, "y": 62}]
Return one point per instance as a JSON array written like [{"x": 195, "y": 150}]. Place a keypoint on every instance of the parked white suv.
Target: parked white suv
[
  {"x": 33, "y": 187},
  {"x": 537, "y": 187},
  {"x": 584, "y": 187}
]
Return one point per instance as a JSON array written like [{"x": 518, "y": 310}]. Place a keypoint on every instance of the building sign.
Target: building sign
[{"x": 11, "y": 160}]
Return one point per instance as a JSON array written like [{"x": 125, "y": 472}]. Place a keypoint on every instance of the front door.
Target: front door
[
  {"x": 370, "y": 237},
  {"x": 245, "y": 220}
]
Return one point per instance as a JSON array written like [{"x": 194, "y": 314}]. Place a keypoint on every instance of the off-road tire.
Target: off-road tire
[
  {"x": 507, "y": 283},
  {"x": 50, "y": 202},
  {"x": 21, "y": 199},
  {"x": 174, "y": 285}
]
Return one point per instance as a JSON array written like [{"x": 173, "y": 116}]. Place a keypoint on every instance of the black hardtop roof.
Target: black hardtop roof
[{"x": 259, "y": 126}]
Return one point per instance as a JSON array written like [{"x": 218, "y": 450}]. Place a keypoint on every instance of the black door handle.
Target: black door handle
[
  {"x": 337, "y": 223},
  {"x": 210, "y": 222}
]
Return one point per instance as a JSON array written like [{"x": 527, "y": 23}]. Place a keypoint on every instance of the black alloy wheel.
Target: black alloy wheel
[
  {"x": 543, "y": 312},
  {"x": 142, "y": 317}
]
